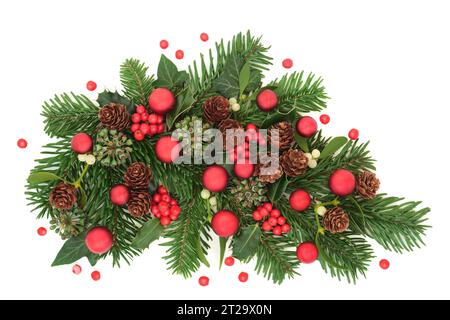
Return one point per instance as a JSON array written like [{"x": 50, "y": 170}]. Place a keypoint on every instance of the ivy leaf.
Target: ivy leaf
[
  {"x": 254, "y": 81},
  {"x": 246, "y": 244},
  {"x": 334, "y": 145},
  {"x": 244, "y": 77},
  {"x": 107, "y": 97},
  {"x": 150, "y": 231},
  {"x": 277, "y": 189},
  {"x": 39, "y": 177},
  {"x": 93, "y": 258},
  {"x": 184, "y": 103},
  {"x": 168, "y": 74},
  {"x": 73, "y": 250},
  {"x": 302, "y": 142}
]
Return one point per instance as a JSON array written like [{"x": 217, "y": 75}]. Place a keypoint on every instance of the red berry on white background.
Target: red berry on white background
[
  {"x": 204, "y": 37},
  {"x": 76, "y": 269},
  {"x": 91, "y": 86},
  {"x": 384, "y": 264},
  {"x": 164, "y": 44},
  {"x": 243, "y": 277},
  {"x": 288, "y": 63},
  {"x": 179, "y": 54},
  {"x": 95, "y": 275},
  {"x": 22, "y": 143},
  {"x": 324, "y": 119},
  {"x": 42, "y": 231},
  {"x": 229, "y": 261},
  {"x": 203, "y": 281},
  {"x": 353, "y": 134}
]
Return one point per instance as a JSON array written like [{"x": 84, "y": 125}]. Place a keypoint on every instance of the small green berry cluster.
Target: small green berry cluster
[{"x": 112, "y": 148}]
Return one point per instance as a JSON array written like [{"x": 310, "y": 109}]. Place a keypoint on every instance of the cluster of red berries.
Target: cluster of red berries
[
  {"x": 164, "y": 207},
  {"x": 242, "y": 152},
  {"x": 272, "y": 219},
  {"x": 145, "y": 123}
]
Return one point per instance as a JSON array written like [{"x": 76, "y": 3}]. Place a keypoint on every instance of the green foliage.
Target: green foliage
[
  {"x": 150, "y": 232},
  {"x": 169, "y": 76},
  {"x": 247, "y": 242},
  {"x": 107, "y": 97},
  {"x": 277, "y": 189},
  {"x": 333, "y": 146},
  {"x": 73, "y": 250},
  {"x": 135, "y": 81}
]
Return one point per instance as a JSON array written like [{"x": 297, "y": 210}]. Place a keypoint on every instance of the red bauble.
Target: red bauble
[
  {"x": 95, "y": 275},
  {"x": 306, "y": 127},
  {"x": 229, "y": 261},
  {"x": 161, "y": 100},
  {"x": 99, "y": 240},
  {"x": 204, "y": 37},
  {"x": 288, "y": 63},
  {"x": 76, "y": 269},
  {"x": 244, "y": 170},
  {"x": 179, "y": 54},
  {"x": 225, "y": 223},
  {"x": 325, "y": 119},
  {"x": 300, "y": 200},
  {"x": 22, "y": 143},
  {"x": 42, "y": 231},
  {"x": 307, "y": 252},
  {"x": 91, "y": 86},
  {"x": 164, "y": 44},
  {"x": 267, "y": 100},
  {"x": 167, "y": 149},
  {"x": 353, "y": 134},
  {"x": 384, "y": 264},
  {"x": 203, "y": 281},
  {"x": 215, "y": 178},
  {"x": 119, "y": 195},
  {"x": 243, "y": 277},
  {"x": 81, "y": 143},
  {"x": 342, "y": 182}
]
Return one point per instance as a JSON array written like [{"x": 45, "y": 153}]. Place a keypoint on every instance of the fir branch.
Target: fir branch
[
  {"x": 66, "y": 115},
  {"x": 136, "y": 82}
]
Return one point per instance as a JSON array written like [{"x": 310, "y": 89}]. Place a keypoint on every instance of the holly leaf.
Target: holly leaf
[
  {"x": 107, "y": 97},
  {"x": 302, "y": 142},
  {"x": 150, "y": 232},
  {"x": 168, "y": 74},
  {"x": 277, "y": 189},
  {"x": 40, "y": 177},
  {"x": 73, "y": 250},
  {"x": 246, "y": 244},
  {"x": 334, "y": 145},
  {"x": 184, "y": 103}
]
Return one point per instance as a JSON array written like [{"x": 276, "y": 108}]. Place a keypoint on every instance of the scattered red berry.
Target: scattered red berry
[
  {"x": 179, "y": 54},
  {"x": 91, "y": 86},
  {"x": 229, "y": 261},
  {"x": 288, "y": 63},
  {"x": 22, "y": 143},
  {"x": 204, "y": 37},
  {"x": 203, "y": 281},
  {"x": 76, "y": 269},
  {"x": 353, "y": 134},
  {"x": 95, "y": 275},
  {"x": 324, "y": 119},
  {"x": 42, "y": 231},
  {"x": 164, "y": 44},
  {"x": 243, "y": 277},
  {"x": 277, "y": 231},
  {"x": 384, "y": 264}
]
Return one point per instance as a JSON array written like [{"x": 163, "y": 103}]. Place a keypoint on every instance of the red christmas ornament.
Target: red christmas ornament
[
  {"x": 353, "y": 134},
  {"x": 244, "y": 170},
  {"x": 300, "y": 200},
  {"x": 22, "y": 143},
  {"x": 215, "y": 178},
  {"x": 91, "y": 86},
  {"x": 267, "y": 100},
  {"x": 99, "y": 240},
  {"x": 179, "y": 54},
  {"x": 161, "y": 100},
  {"x": 203, "y": 281},
  {"x": 81, "y": 143},
  {"x": 119, "y": 195},
  {"x": 42, "y": 231},
  {"x": 229, "y": 261},
  {"x": 306, "y": 126},
  {"x": 384, "y": 264},
  {"x": 95, "y": 275},
  {"x": 342, "y": 182},
  {"x": 288, "y": 63},
  {"x": 324, "y": 119},
  {"x": 76, "y": 269},
  {"x": 225, "y": 223},
  {"x": 307, "y": 252},
  {"x": 243, "y": 277},
  {"x": 164, "y": 44},
  {"x": 204, "y": 37},
  {"x": 167, "y": 149}
]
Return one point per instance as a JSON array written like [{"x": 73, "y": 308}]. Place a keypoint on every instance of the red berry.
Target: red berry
[
  {"x": 262, "y": 142},
  {"x": 268, "y": 206},
  {"x": 266, "y": 226},
  {"x": 277, "y": 231},
  {"x": 288, "y": 63},
  {"x": 144, "y": 116},
  {"x": 175, "y": 210},
  {"x": 251, "y": 128},
  {"x": 264, "y": 212},
  {"x": 384, "y": 264},
  {"x": 119, "y": 195},
  {"x": 42, "y": 231},
  {"x": 22, "y": 143},
  {"x": 163, "y": 207},
  {"x": 76, "y": 269},
  {"x": 285, "y": 228},
  {"x": 162, "y": 190},
  {"x": 225, "y": 223},
  {"x": 257, "y": 216},
  {"x": 179, "y": 54},
  {"x": 275, "y": 213},
  {"x": 81, "y": 143},
  {"x": 324, "y": 119},
  {"x": 165, "y": 197},
  {"x": 173, "y": 217},
  {"x": 300, "y": 200},
  {"x": 243, "y": 277},
  {"x": 307, "y": 252},
  {"x": 353, "y": 134},
  {"x": 164, "y": 44},
  {"x": 204, "y": 37},
  {"x": 161, "y": 100},
  {"x": 229, "y": 261},
  {"x": 267, "y": 100},
  {"x": 153, "y": 119},
  {"x": 159, "y": 119},
  {"x": 281, "y": 221},
  {"x": 157, "y": 215},
  {"x": 139, "y": 136},
  {"x": 99, "y": 240},
  {"x": 167, "y": 149},
  {"x": 91, "y": 86},
  {"x": 95, "y": 275},
  {"x": 342, "y": 182},
  {"x": 165, "y": 221},
  {"x": 161, "y": 128},
  {"x": 141, "y": 109},
  {"x": 157, "y": 198},
  {"x": 135, "y": 127},
  {"x": 136, "y": 118},
  {"x": 145, "y": 128},
  {"x": 173, "y": 202},
  {"x": 272, "y": 221},
  {"x": 203, "y": 281},
  {"x": 306, "y": 127},
  {"x": 153, "y": 130},
  {"x": 155, "y": 210}
]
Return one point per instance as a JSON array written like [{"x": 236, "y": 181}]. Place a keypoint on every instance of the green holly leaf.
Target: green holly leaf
[
  {"x": 277, "y": 189},
  {"x": 107, "y": 97},
  {"x": 334, "y": 145},
  {"x": 40, "y": 177},
  {"x": 247, "y": 242},
  {"x": 73, "y": 250},
  {"x": 150, "y": 232},
  {"x": 168, "y": 74}
]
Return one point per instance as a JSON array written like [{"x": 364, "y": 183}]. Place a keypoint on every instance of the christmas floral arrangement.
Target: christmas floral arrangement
[{"x": 113, "y": 183}]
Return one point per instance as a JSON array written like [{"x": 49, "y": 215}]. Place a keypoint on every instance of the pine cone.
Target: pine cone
[
  {"x": 114, "y": 117},
  {"x": 367, "y": 184},
  {"x": 138, "y": 176},
  {"x": 216, "y": 109},
  {"x": 285, "y": 135},
  {"x": 268, "y": 177},
  {"x": 336, "y": 220},
  {"x": 294, "y": 163},
  {"x": 229, "y": 124},
  {"x": 139, "y": 203},
  {"x": 63, "y": 196}
]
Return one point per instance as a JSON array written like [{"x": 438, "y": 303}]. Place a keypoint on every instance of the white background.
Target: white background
[{"x": 386, "y": 67}]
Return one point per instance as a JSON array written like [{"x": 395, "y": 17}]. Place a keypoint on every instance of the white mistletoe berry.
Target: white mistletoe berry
[
  {"x": 312, "y": 163},
  {"x": 315, "y": 154},
  {"x": 205, "y": 194}
]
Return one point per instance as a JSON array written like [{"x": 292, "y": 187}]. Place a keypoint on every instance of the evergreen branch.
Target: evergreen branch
[
  {"x": 66, "y": 115},
  {"x": 137, "y": 84}
]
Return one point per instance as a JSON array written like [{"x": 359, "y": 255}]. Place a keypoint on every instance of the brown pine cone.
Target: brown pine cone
[
  {"x": 139, "y": 203},
  {"x": 367, "y": 184},
  {"x": 216, "y": 109},
  {"x": 63, "y": 196},
  {"x": 336, "y": 220},
  {"x": 294, "y": 162},
  {"x": 271, "y": 176},
  {"x": 138, "y": 176},
  {"x": 114, "y": 117},
  {"x": 229, "y": 124},
  {"x": 285, "y": 135}
]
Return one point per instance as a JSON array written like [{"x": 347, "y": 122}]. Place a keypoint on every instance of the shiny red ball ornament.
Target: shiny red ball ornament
[
  {"x": 307, "y": 252},
  {"x": 287, "y": 63},
  {"x": 243, "y": 277},
  {"x": 161, "y": 100},
  {"x": 225, "y": 223},
  {"x": 306, "y": 127},
  {"x": 95, "y": 275},
  {"x": 204, "y": 37},
  {"x": 76, "y": 269},
  {"x": 91, "y": 86},
  {"x": 342, "y": 182},
  {"x": 119, "y": 195},
  {"x": 353, "y": 134},
  {"x": 99, "y": 240},
  {"x": 215, "y": 178},
  {"x": 164, "y": 44},
  {"x": 324, "y": 119},
  {"x": 229, "y": 261},
  {"x": 167, "y": 149},
  {"x": 42, "y": 231},
  {"x": 384, "y": 264},
  {"x": 81, "y": 143},
  {"x": 300, "y": 200},
  {"x": 203, "y": 281},
  {"x": 22, "y": 143},
  {"x": 179, "y": 54},
  {"x": 267, "y": 100},
  {"x": 244, "y": 170}
]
